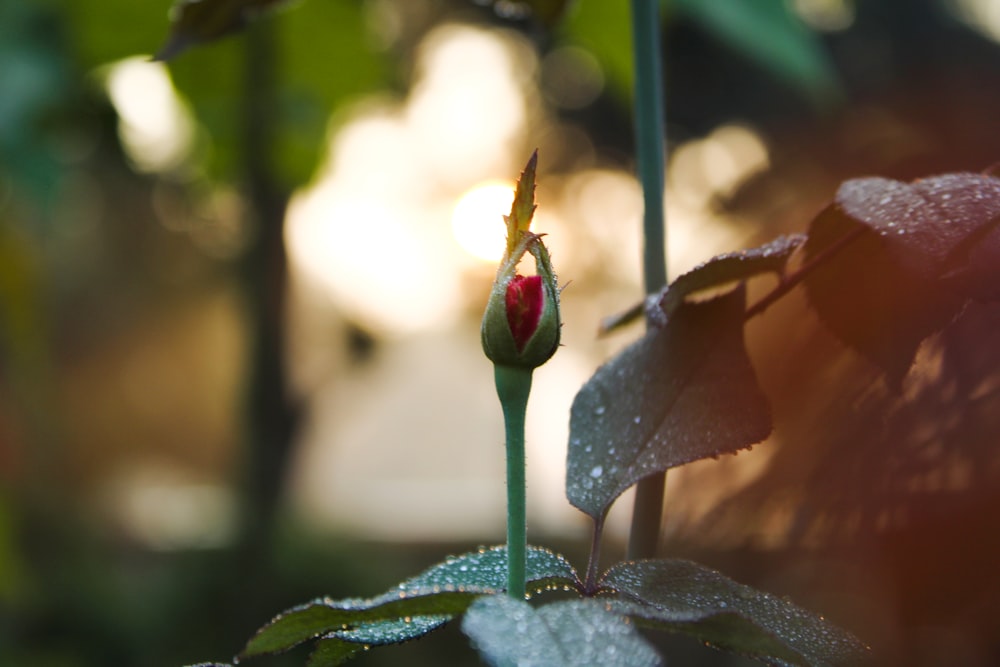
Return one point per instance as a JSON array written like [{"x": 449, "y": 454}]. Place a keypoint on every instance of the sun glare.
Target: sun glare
[
  {"x": 477, "y": 219},
  {"x": 155, "y": 127}
]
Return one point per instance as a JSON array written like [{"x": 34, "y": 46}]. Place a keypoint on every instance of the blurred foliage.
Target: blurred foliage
[
  {"x": 324, "y": 59},
  {"x": 768, "y": 32}
]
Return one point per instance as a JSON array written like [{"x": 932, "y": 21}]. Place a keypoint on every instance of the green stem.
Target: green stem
[
  {"x": 513, "y": 387},
  {"x": 650, "y": 158}
]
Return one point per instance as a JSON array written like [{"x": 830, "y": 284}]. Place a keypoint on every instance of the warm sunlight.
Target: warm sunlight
[
  {"x": 477, "y": 221},
  {"x": 155, "y": 128}
]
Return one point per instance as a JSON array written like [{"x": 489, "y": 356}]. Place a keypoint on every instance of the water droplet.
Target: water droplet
[
  {"x": 637, "y": 419},
  {"x": 599, "y": 410},
  {"x": 885, "y": 200},
  {"x": 596, "y": 472}
]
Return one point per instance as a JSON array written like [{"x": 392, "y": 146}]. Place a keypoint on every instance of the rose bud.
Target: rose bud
[{"x": 521, "y": 323}]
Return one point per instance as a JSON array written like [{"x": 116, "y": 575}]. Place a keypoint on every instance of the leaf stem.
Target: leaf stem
[
  {"x": 513, "y": 386},
  {"x": 590, "y": 584},
  {"x": 791, "y": 280},
  {"x": 650, "y": 157}
]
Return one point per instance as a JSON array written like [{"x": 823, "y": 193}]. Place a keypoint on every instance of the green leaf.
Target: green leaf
[
  {"x": 37, "y": 86},
  {"x": 322, "y": 59},
  {"x": 432, "y": 597},
  {"x": 578, "y": 633},
  {"x": 98, "y": 33},
  {"x": 332, "y": 652},
  {"x": 683, "y": 392},
  {"x": 602, "y": 28},
  {"x": 200, "y": 21},
  {"x": 769, "y": 32},
  {"x": 908, "y": 257},
  {"x": 681, "y": 596}
]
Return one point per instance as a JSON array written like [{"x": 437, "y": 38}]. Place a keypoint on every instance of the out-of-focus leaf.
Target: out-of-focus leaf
[
  {"x": 36, "y": 82},
  {"x": 545, "y": 12},
  {"x": 769, "y": 32},
  {"x": 602, "y": 28},
  {"x": 99, "y": 31},
  {"x": 917, "y": 253},
  {"x": 681, "y": 596},
  {"x": 683, "y": 392},
  {"x": 578, "y": 633},
  {"x": 442, "y": 591},
  {"x": 322, "y": 59},
  {"x": 199, "y": 21}
]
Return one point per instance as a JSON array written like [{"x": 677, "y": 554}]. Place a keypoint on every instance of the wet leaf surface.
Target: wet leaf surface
[
  {"x": 683, "y": 392},
  {"x": 428, "y": 600},
  {"x": 920, "y": 251},
  {"x": 681, "y": 596},
  {"x": 729, "y": 267},
  {"x": 578, "y": 633}
]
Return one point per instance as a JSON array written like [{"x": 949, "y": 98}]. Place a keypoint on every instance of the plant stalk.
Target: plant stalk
[
  {"x": 513, "y": 386},
  {"x": 651, "y": 160}
]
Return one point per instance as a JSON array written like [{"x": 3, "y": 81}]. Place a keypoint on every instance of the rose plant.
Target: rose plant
[{"x": 686, "y": 390}]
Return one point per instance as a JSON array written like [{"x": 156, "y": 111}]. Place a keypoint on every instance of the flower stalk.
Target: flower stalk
[
  {"x": 513, "y": 386},
  {"x": 648, "y": 112},
  {"x": 520, "y": 332}
]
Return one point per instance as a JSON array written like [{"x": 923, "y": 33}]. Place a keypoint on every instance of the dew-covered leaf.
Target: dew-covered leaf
[
  {"x": 198, "y": 21},
  {"x": 577, "y": 633},
  {"x": 682, "y": 596},
  {"x": 337, "y": 647},
  {"x": 916, "y": 254},
  {"x": 330, "y": 652},
  {"x": 943, "y": 226},
  {"x": 683, "y": 392},
  {"x": 428, "y": 600},
  {"x": 729, "y": 267},
  {"x": 716, "y": 272}
]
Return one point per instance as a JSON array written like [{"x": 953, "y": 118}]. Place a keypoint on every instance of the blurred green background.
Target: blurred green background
[{"x": 240, "y": 295}]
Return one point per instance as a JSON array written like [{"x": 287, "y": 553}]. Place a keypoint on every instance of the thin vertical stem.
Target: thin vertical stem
[
  {"x": 270, "y": 411},
  {"x": 650, "y": 158},
  {"x": 513, "y": 386},
  {"x": 590, "y": 583}
]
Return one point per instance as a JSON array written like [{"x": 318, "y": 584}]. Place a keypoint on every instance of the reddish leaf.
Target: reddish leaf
[{"x": 919, "y": 252}]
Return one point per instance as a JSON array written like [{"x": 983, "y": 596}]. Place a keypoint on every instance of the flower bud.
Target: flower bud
[{"x": 521, "y": 324}]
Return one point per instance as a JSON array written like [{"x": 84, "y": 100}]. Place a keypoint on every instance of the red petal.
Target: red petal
[{"x": 525, "y": 299}]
